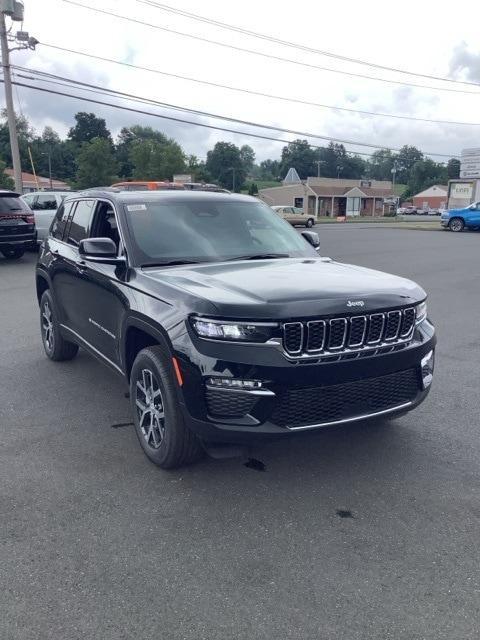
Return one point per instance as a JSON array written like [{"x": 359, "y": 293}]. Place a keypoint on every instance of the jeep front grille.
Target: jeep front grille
[{"x": 348, "y": 333}]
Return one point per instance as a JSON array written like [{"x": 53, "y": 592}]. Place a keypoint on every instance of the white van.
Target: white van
[{"x": 44, "y": 205}]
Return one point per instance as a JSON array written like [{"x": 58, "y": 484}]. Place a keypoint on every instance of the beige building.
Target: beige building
[{"x": 332, "y": 197}]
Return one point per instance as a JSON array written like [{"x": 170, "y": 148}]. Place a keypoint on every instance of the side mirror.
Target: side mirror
[
  {"x": 312, "y": 238},
  {"x": 99, "y": 250}
]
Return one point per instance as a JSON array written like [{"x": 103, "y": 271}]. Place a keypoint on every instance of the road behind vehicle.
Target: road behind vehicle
[
  {"x": 44, "y": 205},
  {"x": 295, "y": 216},
  {"x": 459, "y": 219},
  {"x": 208, "y": 303},
  {"x": 17, "y": 225}
]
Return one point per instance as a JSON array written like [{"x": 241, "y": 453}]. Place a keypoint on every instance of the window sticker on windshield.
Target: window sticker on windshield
[{"x": 136, "y": 207}]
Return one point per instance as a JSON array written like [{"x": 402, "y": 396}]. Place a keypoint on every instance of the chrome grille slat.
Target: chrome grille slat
[
  {"x": 293, "y": 337},
  {"x": 337, "y": 333},
  {"x": 316, "y": 334},
  {"x": 369, "y": 334}
]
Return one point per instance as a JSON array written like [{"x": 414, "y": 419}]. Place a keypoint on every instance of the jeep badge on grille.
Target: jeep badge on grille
[{"x": 355, "y": 303}]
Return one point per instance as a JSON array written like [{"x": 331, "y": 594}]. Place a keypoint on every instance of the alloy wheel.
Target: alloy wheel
[
  {"x": 150, "y": 408},
  {"x": 456, "y": 225},
  {"x": 47, "y": 327}
]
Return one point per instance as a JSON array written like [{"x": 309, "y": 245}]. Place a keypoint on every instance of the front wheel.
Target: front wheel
[
  {"x": 310, "y": 222},
  {"x": 456, "y": 225},
  {"x": 158, "y": 420},
  {"x": 13, "y": 254}
]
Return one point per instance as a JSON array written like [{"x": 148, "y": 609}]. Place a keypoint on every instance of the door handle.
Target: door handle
[{"x": 81, "y": 266}]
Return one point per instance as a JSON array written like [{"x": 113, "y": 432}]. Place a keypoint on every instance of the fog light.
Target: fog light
[
  {"x": 427, "y": 364},
  {"x": 234, "y": 383}
]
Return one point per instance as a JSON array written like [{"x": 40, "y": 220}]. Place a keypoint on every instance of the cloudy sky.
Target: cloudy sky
[{"x": 416, "y": 36}]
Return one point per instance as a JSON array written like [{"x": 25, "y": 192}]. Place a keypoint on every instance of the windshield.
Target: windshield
[{"x": 209, "y": 230}]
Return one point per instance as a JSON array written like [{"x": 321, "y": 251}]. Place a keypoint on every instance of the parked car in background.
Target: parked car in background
[
  {"x": 295, "y": 216},
  {"x": 17, "y": 225},
  {"x": 459, "y": 219},
  {"x": 434, "y": 212},
  {"x": 44, "y": 205},
  {"x": 410, "y": 211}
]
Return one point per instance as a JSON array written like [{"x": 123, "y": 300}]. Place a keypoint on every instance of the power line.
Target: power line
[
  {"x": 294, "y": 45},
  {"x": 266, "y": 55},
  {"x": 123, "y": 95},
  {"x": 164, "y": 117},
  {"x": 260, "y": 93}
]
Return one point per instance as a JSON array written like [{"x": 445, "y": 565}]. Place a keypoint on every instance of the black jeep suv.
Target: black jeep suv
[{"x": 225, "y": 322}]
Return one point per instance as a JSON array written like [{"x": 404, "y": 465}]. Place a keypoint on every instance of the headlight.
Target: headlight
[
  {"x": 234, "y": 331},
  {"x": 421, "y": 311}
]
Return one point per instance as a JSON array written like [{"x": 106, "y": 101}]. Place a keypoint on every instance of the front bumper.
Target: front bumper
[
  {"x": 444, "y": 222},
  {"x": 295, "y": 396}
]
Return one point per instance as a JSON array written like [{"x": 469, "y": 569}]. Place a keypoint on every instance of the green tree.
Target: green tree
[
  {"x": 404, "y": 160},
  {"x": 198, "y": 170},
  {"x": 453, "y": 168},
  {"x": 425, "y": 173},
  {"x": 155, "y": 159},
  {"x": 247, "y": 155},
  {"x": 269, "y": 170},
  {"x": 5, "y": 181},
  {"x": 88, "y": 127},
  {"x": 96, "y": 164},
  {"x": 299, "y": 155},
  {"x": 380, "y": 165},
  {"x": 225, "y": 165}
]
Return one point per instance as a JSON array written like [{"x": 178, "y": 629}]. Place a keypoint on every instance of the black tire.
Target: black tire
[
  {"x": 13, "y": 254},
  {"x": 310, "y": 222},
  {"x": 158, "y": 420},
  {"x": 456, "y": 225},
  {"x": 55, "y": 345}
]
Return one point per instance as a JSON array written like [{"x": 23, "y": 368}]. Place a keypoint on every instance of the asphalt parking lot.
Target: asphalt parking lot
[{"x": 98, "y": 543}]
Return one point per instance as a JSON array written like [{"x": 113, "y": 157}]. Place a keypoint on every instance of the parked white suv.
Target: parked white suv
[{"x": 44, "y": 205}]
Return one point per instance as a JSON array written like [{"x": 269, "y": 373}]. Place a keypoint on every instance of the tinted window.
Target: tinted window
[
  {"x": 10, "y": 204},
  {"x": 80, "y": 223},
  {"x": 44, "y": 202},
  {"x": 210, "y": 230},
  {"x": 60, "y": 220}
]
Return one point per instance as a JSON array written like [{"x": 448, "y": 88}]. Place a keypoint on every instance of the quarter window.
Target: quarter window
[
  {"x": 80, "y": 224},
  {"x": 59, "y": 222}
]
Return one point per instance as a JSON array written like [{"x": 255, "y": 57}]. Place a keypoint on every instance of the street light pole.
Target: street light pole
[
  {"x": 50, "y": 168},
  {"x": 339, "y": 169},
  {"x": 12, "y": 125}
]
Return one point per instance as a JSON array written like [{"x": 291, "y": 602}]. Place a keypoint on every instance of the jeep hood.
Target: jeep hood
[{"x": 292, "y": 287}]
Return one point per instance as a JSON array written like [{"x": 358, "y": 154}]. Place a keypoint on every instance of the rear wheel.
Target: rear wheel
[
  {"x": 310, "y": 222},
  {"x": 158, "y": 420},
  {"x": 12, "y": 254},
  {"x": 456, "y": 225},
  {"x": 56, "y": 347}
]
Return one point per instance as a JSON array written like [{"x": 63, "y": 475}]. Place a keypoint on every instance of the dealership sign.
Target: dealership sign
[
  {"x": 470, "y": 163},
  {"x": 461, "y": 190}
]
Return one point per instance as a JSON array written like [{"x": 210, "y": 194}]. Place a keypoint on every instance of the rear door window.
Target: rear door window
[
  {"x": 80, "y": 223},
  {"x": 60, "y": 221}
]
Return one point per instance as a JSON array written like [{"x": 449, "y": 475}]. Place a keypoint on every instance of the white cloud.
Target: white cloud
[{"x": 419, "y": 37}]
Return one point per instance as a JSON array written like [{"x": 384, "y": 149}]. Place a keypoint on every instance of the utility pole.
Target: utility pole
[
  {"x": 339, "y": 170},
  {"x": 319, "y": 162},
  {"x": 13, "y": 9},
  {"x": 233, "y": 169},
  {"x": 12, "y": 125}
]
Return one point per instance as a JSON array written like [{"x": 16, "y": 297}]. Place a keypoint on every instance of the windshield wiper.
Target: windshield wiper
[
  {"x": 260, "y": 256},
  {"x": 169, "y": 263}
]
